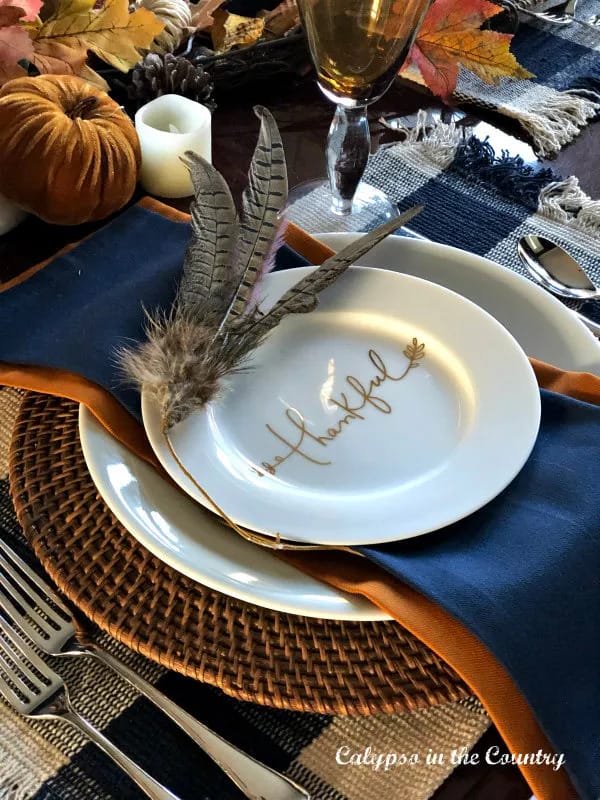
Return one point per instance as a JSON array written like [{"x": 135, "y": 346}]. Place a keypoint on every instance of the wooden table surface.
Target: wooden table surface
[{"x": 304, "y": 117}]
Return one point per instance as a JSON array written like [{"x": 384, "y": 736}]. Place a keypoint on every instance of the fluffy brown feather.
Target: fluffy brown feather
[{"x": 176, "y": 365}]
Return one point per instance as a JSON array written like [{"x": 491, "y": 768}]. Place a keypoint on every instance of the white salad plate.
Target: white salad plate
[
  {"x": 379, "y": 416},
  {"x": 183, "y": 535}
]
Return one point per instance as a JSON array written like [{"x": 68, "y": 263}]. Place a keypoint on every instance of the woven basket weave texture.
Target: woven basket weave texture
[{"x": 251, "y": 653}]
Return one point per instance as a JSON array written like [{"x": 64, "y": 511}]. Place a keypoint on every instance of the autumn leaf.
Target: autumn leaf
[
  {"x": 232, "y": 30},
  {"x": 87, "y": 74},
  {"x": 55, "y": 58},
  {"x": 15, "y": 45},
  {"x": 9, "y": 72},
  {"x": 10, "y": 15},
  {"x": 58, "y": 8},
  {"x": 111, "y": 32},
  {"x": 29, "y": 8},
  {"x": 202, "y": 15},
  {"x": 450, "y": 36},
  {"x": 69, "y": 7},
  {"x": 281, "y": 19}
]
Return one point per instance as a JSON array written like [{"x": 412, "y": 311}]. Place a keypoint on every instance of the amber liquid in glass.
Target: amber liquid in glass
[{"x": 358, "y": 46}]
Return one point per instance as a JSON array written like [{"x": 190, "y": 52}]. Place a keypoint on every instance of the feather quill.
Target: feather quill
[{"x": 263, "y": 202}]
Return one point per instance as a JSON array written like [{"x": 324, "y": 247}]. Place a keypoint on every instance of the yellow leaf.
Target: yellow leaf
[
  {"x": 488, "y": 56},
  {"x": 111, "y": 32},
  {"x": 70, "y": 7},
  {"x": 87, "y": 74},
  {"x": 232, "y": 30}
]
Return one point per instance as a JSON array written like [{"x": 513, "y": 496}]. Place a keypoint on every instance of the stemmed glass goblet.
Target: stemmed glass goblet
[{"x": 357, "y": 47}]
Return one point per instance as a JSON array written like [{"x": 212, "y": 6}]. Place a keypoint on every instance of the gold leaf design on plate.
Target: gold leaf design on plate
[{"x": 414, "y": 352}]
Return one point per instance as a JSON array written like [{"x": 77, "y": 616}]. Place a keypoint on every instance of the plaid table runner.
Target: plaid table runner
[
  {"x": 49, "y": 761},
  {"x": 565, "y": 93},
  {"x": 475, "y": 199}
]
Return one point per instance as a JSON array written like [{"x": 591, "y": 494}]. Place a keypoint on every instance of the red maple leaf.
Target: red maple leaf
[{"x": 29, "y": 8}]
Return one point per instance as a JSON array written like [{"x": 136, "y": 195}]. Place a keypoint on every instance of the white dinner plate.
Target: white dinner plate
[
  {"x": 542, "y": 325},
  {"x": 379, "y": 416},
  {"x": 183, "y": 535}
]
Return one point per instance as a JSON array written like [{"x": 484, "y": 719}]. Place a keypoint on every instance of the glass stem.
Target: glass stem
[{"x": 348, "y": 146}]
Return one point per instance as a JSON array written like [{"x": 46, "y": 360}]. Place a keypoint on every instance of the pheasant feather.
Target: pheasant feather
[
  {"x": 215, "y": 323},
  {"x": 263, "y": 202},
  {"x": 208, "y": 270}
]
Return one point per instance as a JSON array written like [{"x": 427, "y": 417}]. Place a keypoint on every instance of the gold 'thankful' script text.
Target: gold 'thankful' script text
[{"x": 353, "y": 407}]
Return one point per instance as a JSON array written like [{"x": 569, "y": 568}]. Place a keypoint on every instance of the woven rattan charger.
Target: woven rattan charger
[{"x": 251, "y": 653}]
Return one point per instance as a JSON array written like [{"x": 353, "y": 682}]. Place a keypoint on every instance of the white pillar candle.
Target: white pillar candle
[{"x": 167, "y": 127}]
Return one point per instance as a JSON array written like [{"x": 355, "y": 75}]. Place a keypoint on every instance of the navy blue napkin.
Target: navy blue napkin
[
  {"x": 522, "y": 574},
  {"x": 75, "y": 312}
]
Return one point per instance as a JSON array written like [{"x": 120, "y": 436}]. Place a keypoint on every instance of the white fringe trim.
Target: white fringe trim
[
  {"x": 557, "y": 120},
  {"x": 18, "y": 784},
  {"x": 566, "y": 202},
  {"x": 435, "y": 141}
]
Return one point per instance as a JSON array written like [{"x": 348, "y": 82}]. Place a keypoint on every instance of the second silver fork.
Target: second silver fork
[
  {"x": 47, "y": 621},
  {"x": 34, "y": 690}
]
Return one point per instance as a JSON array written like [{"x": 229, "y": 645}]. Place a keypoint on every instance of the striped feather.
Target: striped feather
[
  {"x": 208, "y": 274},
  {"x": 267, "y": 266},
  {"x": 263, "y": 201}
]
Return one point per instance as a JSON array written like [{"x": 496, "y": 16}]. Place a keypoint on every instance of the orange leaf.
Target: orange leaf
[
  {"x": 56, "y": 58},
  {"x": 202, "y": 15},
  {"x": 281, "y": 19},
  {"x": 450, "y": 36},
  {"x": 10, "y": 71}
]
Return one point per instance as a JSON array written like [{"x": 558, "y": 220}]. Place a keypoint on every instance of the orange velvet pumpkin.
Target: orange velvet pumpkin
[{"x": 67, "y": 151}]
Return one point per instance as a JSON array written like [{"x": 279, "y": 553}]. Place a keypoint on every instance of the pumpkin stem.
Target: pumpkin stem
[{"x": 82, "y": 108}]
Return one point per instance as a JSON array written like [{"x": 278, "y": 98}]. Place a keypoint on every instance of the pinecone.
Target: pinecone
[{"x": 168, "y": 74}]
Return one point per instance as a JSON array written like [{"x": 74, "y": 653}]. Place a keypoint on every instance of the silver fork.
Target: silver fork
[
  {"x": 563, "y": 14},
  {"x": 47, "y": 621},
  {"x": 34, "y": 690}
]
